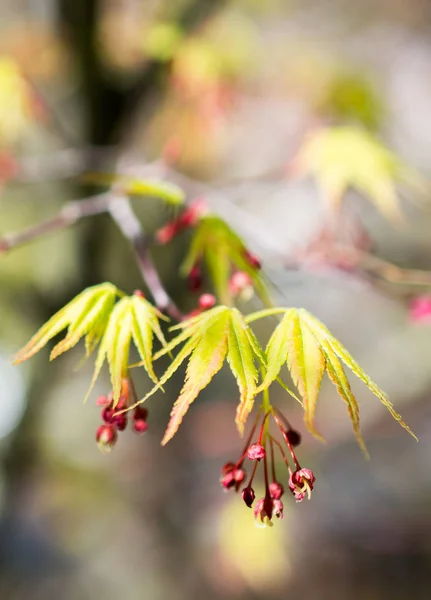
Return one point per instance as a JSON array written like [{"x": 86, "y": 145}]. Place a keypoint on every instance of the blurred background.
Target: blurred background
[{"x": 225, "y": 91}]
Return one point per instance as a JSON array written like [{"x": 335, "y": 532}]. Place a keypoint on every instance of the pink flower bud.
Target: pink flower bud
[
  {"x": 248, "y": 496},
  {"x": 140, "y": 426},
  {"x": 232, "y": 476},
  {"x": 102, "y": 401},
  {"x": 240, "y": 284},
  {"x": 207, "y": 301},
  {"x": 139, "y": 293},
  {"x": 277, "y": 508},
  {"x": 301, "y": 483},
  {"x": 106, "y": 437},
  {"x": 263, "y": 510},
  {"x": 276, "y": 490},
  {"x": 256, "y": 452}
]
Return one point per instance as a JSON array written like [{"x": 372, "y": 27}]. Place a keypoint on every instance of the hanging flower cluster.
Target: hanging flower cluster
[
  {"x": 300, "y": 481},
  {"x": 115, "y": 421}
]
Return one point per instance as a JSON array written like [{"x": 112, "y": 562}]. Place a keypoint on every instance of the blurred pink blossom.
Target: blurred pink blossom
[{"x": 420, "y": 309}]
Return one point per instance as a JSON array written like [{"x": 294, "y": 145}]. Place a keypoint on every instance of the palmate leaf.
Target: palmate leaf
[
  {"x": 308, "y": 348},
  {"x": 132, "y": 186},
  {"x": 210, "y": 338},
  {"x": 83, "y": 316},
  {"x": 133, "y": 318},
  {"x": 93, "y": 315},
  {"x": 349, "y": 157},
  {"x": 221, "y": 249},
  {"x": 206, "y": 360}
]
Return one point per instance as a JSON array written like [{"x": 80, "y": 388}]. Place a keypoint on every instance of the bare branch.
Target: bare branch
[
  {"x": 122, "y": 213},
  {"x": 68, "y": 215}
]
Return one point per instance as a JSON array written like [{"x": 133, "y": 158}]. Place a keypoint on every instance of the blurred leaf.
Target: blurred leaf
[
  {"x": 347, "y": 157},
  {"x": 17, "y": 102},
  {"x": 308, "y": 349},
  {"x": 351, "y": 97},
  {"x": 221, "y": 249},
  {"x": 131, "y": 186},
  {"x": 162, "y": 40}
]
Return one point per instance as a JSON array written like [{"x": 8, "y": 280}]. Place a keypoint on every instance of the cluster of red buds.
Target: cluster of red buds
[
  {"x": 113, "y": 422},
  {"x": 300, "y": 482},
  {"x": 187, "y": 219}
]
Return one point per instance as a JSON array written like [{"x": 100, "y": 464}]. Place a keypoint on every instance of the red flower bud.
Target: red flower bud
[
  {"x": 248, "y": 496},
  {"x": 108, "y": 415},
  {"x": 167, "y": 232},
  {"x": 252, "y": 260},
  {"x": 193, "y": 213},
  {"x": 139, "y": 293},
  {"x": 232, "y": 476},
  {"x": 106, "y": 437},
  {"x": 227, "y": 467},
  {"x": 276, "y": 490},
  {"x": 194, "y": 279},
  {"x": 140, "y": 426},
  {"x": 207, "y": 301},
  {"x": 256, "y": 452},
  {"x": 140, "y": 413},
  {"x": 121, "y": 422},
  {"x": 294, "y": 437}
]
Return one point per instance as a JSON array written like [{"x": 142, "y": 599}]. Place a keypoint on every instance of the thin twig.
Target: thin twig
[
  {"x": 392, "y": 273},
  {"x": 122, "y": 213},
  {"x": 68, "y": 215}
]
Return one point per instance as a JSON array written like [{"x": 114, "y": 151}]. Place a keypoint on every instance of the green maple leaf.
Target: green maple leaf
[
  {"x": 207, "y": 341},
  {"x": 309, "y": 349},
  {"x": 86, "y": 315},
  {"x": 132, "y": 319},
  {"x": 94, "y": 315},
  {"x": 221, "y": 249},
  {"x": 349, "y": 157}
]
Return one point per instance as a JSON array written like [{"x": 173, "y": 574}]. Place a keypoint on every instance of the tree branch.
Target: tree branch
[
  {"x": 122, "y": 213},
  {"x": 120, "y": 209},
  {"x": 68, "y": 215}
]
